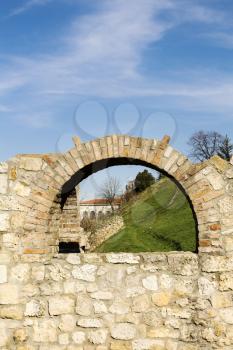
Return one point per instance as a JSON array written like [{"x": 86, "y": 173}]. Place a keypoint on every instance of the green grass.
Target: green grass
[{"x": 159, "y": 219}]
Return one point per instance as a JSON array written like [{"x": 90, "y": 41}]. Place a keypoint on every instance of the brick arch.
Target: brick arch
[{"x": 202, "y": 183}]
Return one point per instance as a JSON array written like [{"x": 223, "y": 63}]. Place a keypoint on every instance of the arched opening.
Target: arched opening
[{"x": 99, "y": 165}]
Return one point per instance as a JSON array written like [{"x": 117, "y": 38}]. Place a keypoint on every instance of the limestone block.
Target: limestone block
[
  {"x": 3, "y": 183},
  {"x": 63, "y": 339},
  {"x": 84, "y": 305},
  {"x": 38, "y": 273},
  {"x": 122, "y": 258},
  {"x": 150, "y": 282},
  {"x": 206, "y": 287},
  {"x": 35, "y": 308},
  {"x": 68, "y": 323},
  {"x": 98, "y": 337},
  {"x": 123, "y": 331},
  {"x": 119, "y": 308},
  {"x": 44, "y": 331},
  {"x": 22, "y": 189},
  {"x": 3, "y": 274},
  {"x": 73, "y": 259},
  {"x": 152, "y": 318},
  {"x": 216, "y": 180},
  {"x": 90, "y": 323},
  {"x": 163, "y": 332},
  {"x": 102, "y": 295},
  {"x": 4, "y": 221},
  {"x": 222, "y": 300},
  {"x": 78, "y": 337},
  {"x": 226, "y": 281},
  {"x": 161, "y": 298},
  {"x": 184, "y": 264},
  {"x": 20, "y": 273},
  {"x": 85, "y": 272},
  {"x": 59, "y": 305},
  {"x": 227, "y": 315},
  {"x": 14, "y": 312},
  {"x": 3, "y": 337},
  {"x": 20, "y": 335},
  {"x": 31, "y": 164},
  {"x": 3, "y": 167},
  {"x": 150, "y": 344},
  {"x": 226, "y": 205},
  {"x": 141, "y": 303},
  {"x": 9, "y": 294},
  {"x": 165, "y": 281},
  {"x": 134, "y": 291},
  {"x": 120, "y": 345},
  {"x": 99, "y": 307},
  {"x": 217, "y": 263}
]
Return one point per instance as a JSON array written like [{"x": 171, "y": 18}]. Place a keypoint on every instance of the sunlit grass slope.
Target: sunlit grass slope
[{"x": 159, "y": 219}]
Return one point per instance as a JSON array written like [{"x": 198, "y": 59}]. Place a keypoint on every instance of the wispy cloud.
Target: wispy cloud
[
  {"x": 100, "y": 55},
  {"x": 27, "y": 6},
  {"x": 36, "y": 120}
]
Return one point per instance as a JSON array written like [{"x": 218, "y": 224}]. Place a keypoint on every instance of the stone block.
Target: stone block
[
  {"x": 84, "y": 305},
  {"x": 59, "y": 305},
  {"x": 85, "y": 272},
  {"x": 78, "y": 337},
  {"x": 122, "y": 258},
  {"x": 3, "y": 274},
  {"x": 98, "y": 337},
  {"x": 12, "y": 312},
  {"x": 150, "y": 283},
  {"x": 123, "y": 331},
  {"x": 44, "y": 331},
  {"x": 4, "y": 221},
  {"x": 9, "y": 294},
  {"x": 35, "y": 308},
  {"x": 3, "y": 183},
  {"x": 90, "y": 322}
]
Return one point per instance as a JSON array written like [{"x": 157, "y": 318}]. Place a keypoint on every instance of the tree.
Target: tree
[
  {"x": 204, "y": 145},
  {"x": 110, "y": 190},
  {"x": 226, "y": 149},
  {"x": 143, "y": 180}
]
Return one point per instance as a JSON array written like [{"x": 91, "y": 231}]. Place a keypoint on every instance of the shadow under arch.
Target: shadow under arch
[{"x": 98, "y": 165}]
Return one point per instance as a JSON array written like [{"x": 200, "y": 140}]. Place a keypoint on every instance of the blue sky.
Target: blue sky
[{"x": 144, "y": 67}]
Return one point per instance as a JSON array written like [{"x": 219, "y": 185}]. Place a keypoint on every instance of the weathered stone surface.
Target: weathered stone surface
[
  {"x": 20, "y": 273},
  {"x": 68, "y": 323},
  {"x": 102, "y": 295},
  {"x": 150, "y": 344},
  {"x": 119, "y": 308},
  {"x": 99, "y": 307},
  {"x": 44, "y": 331},
  {"x": 98, "y": 337},
  {"x": 4, "y": 221},
  {"x": 161, "y": 298},
  {"x": 3, "y": 337},
  {"x": 38, "y": 273},
  {"x": 3, "y": 183},
  {"x": 90, "y": 322},
  {"x": 84, "y": 305},
  {"x": 14, "y": 312},
  {"x": 122, "y": 258},
  {"x": 227, "y": 315},
  {"x": 141, "y": 303},
  {"x": 150, "y": 283},
  {"x": 9, "y": 294},
  {"x": 78, "y": 337},
  {"x": 85, "y": 272},
  {"x": 59, "y": 305},
  {"x": 123, "y": 331},
  {"x": 3, "y": 274},
  {"x": 35, "y": 308}
]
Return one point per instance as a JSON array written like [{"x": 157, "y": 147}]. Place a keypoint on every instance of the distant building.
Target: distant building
[
  {"x": 97, "y": 208},
  {"x": 130, "y": 186}
]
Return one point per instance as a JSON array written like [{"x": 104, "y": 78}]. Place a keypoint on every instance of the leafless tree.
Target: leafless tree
[
  {"x": 204, "y": 145},
  {"x": 110, "y": 189}
]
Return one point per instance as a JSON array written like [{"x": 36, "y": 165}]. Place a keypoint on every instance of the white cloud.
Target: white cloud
[
  {"x": 100, "y": 55},
  {"x": 27, "y": 6}
]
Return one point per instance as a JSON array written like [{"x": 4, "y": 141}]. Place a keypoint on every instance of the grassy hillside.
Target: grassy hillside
[{"x": 159, "y": 219}]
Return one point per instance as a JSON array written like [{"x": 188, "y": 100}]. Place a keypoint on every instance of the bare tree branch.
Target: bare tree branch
[{"x": 110, "y": 190}]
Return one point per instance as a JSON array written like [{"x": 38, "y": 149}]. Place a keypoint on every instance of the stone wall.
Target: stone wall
[
  {"x": 110, "y": 227},
  {"x": 175, "y": 301}
]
